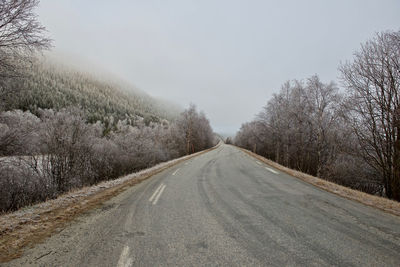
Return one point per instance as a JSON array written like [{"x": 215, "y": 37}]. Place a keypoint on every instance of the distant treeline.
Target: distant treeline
[
  {"x": 352, "y": 137},
  {"x": 43, "y": 156}
]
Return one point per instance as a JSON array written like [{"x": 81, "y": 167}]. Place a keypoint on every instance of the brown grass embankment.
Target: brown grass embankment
[
  {"x": 381, "y": 203},
  {"x": 31, "y": 225}
]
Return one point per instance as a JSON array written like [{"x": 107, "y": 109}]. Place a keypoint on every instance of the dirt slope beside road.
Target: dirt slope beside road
[
  {"x": 31, "y": 225},
  {"x": 381, "y": 203}
]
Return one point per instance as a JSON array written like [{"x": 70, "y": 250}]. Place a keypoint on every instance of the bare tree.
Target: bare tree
[
  {"x": 187, "y": 124},
  {"x": 373, "y": 83},
  {"x": 68, "y": 143},
  {"x": 323, "y": 100},
  {"x": 18, "y": 133},
  {"x": 195, "y": 130},
  {"x": 300, "y": 127},
  {"x": 21, "y": 35}
]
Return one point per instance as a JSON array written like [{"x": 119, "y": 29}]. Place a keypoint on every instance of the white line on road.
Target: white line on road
[
  {"x": 124, "y": 260},
  {"x": 176, "y": 171},
  {"x": 259, "y": 163},
  {"x": 271, "y": 170},
  {"x": 155, "y": 193},
  {"x": 159, "y": 194}
]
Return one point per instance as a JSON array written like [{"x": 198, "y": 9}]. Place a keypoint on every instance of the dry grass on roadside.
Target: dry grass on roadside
[
  {"x": 33, "y": 224},
  {"x": 381, "y": 203}
]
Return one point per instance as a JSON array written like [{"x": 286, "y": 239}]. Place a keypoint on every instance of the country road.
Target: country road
[{"x": 224, "y": 208}]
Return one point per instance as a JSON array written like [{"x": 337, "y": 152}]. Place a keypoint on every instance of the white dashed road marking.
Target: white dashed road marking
[
  {"x": 176, "y": 171},
  {"x": 271, "y": 170},
  {"x": 155, "y": 193},
  {"x": 124, "y": 259},
  {"x": 159, "y": 194}
]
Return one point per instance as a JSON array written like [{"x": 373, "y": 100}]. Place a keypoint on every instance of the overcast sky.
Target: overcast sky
[{"x": 227, "y": 57}]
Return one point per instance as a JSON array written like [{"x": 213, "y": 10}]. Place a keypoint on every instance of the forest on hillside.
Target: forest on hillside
[
  {"x": 49, "y": 85},
  {"x": 349, "y": 137}
]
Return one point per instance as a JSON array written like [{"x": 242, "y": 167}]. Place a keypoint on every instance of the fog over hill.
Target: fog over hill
[{"x": 53, "y": 83}]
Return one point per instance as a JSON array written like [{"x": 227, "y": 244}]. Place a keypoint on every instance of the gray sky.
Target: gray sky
[{"x": 228, "y": 57}]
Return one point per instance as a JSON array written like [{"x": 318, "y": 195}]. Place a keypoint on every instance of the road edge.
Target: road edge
[
  {"x": 50, "y": 217},
  {"x": 384, "y": 204}
]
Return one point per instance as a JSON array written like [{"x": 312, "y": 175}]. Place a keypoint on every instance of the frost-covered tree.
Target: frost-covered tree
[
  {"x": 59, "y": 150},
  {"x": 18, "y": 133},
  {"x": 195, "y": 129},
  {"x": 49, "y": 85},
  {"x": 323, "y": 101},
  {"x": 21, "y": 35},
  {"x": 373, "y": 83},
  {"x": 302, "y": 127}
]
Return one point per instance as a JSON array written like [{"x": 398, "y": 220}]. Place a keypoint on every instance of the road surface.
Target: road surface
[{"x": 224, "y": 208}]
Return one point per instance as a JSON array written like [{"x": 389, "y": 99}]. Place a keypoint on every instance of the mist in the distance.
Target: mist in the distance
[{"x": 227, "y": 57}]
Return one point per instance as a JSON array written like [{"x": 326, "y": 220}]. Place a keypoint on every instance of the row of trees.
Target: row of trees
[
  {"x": 348, "y": 137},
  {"x": 46, "y": 155}
]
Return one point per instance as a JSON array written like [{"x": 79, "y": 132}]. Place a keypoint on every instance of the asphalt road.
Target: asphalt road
[{"x": 224, "y": 208}]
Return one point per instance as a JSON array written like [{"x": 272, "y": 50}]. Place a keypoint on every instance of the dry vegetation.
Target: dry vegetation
[
  {"x": 33, "y": 224},
  {"x": 381, "y": 203},
  {"x": 43, "y": 157}
]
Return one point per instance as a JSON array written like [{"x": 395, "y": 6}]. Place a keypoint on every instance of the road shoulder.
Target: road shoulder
[
  {"x": 33, "y": 224},
  {"x": 377, "y": 202}
]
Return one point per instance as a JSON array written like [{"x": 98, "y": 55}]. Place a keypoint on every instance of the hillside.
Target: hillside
[{"x": 51, "y": 85}]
